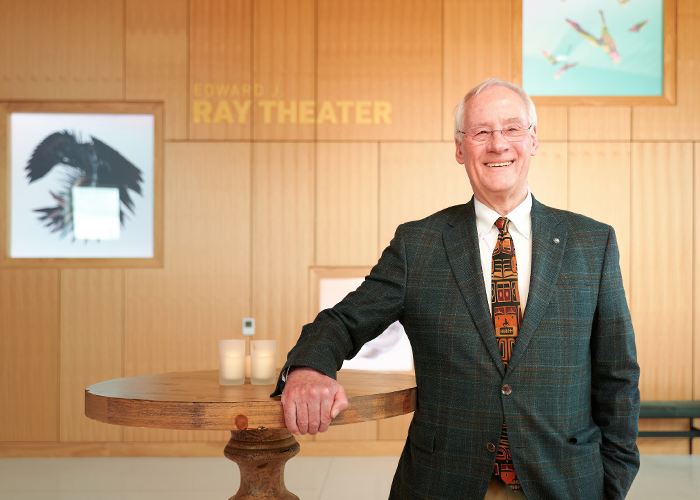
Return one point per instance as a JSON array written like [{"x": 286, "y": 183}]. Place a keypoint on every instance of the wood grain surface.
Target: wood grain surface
[{"x": 196, "y": 401}]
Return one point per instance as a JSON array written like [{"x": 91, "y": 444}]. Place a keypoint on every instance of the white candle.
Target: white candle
[
  {"x": 231, "y": 362},
  {"x": 262, "y": 362}
]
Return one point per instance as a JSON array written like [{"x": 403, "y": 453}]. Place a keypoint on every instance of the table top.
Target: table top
[{"x": 195, "y": 400}]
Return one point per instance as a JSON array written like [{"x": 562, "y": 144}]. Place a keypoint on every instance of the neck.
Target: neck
[{"x": 502, "y": 205}]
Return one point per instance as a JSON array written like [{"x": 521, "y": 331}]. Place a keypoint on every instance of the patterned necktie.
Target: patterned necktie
[{"x": 507, "y": 318}]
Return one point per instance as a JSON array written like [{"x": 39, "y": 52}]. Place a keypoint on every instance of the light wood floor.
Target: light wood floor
[{"x": 311, "y": 478}]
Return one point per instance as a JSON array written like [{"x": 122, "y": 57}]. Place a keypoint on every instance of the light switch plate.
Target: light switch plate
[{"x": 248, "y": 326}]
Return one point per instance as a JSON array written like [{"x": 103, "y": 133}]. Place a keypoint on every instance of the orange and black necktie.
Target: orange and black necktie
[{"x": 507, "y": 318}]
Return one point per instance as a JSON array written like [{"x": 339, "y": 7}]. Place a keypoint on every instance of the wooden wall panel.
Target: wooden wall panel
[
  {"x": 62, "y": 49},
  {"x": 284, "y": 65},
  {"x": 92, "y": 334},
  {"x": 221, "y": 90},
  {"x": 696, "y": 274},
  {"x": 29, "y": 355},
  {"x": 395, "y": 428},
  {"x": 416, "y": 180},
  {"x": 682, "y": 121},
  {"x": 552, "y": 123},
  {"x": 599, "y": 187},
  {"x": 283, "y": 240},
  {"x": 477, "y": 46},
  {"x": 548, "y": 176},
  {"x": 364, "y": 431},
  {"x": 662, "y": 283},
  {"x": 372, "y": 53},
  {"x": 156, "y": 58},
  {"x": 609, "y": 123},
  {"x": 347, "y": 210},
  {"x": 175, "y": 316}
]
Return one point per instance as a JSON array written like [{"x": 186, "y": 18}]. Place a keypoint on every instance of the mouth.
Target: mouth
[{"x": 500, "y": 164}]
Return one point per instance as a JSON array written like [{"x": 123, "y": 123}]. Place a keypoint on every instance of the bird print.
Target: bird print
[
  {"x": 638, "y": 27},
  {"x": 605, "y": 41},
  {"x": 90, "y": 164},
  {"x": 562, "y": 69}
]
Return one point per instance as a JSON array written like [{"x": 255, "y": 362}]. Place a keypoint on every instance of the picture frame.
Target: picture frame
[
  {"x": 667, "y": 96},
  {"x": 53, "y": 155},
  {"x": 390, "y": 351}
]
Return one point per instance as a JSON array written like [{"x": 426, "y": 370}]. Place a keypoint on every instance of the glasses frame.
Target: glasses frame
[{"x": 464, "y": 134}]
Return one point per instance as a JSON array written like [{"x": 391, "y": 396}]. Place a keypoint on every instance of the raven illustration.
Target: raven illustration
[{"x": 93, "y": 164}]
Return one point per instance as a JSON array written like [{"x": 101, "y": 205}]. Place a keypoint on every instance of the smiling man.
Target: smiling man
[{"x": 523, "y": 346}]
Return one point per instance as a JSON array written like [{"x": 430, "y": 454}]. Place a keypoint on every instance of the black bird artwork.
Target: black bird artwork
[{"x": 92, "y": 164}]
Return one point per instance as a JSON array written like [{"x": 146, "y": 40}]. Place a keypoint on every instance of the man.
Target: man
[{"x": 530, "y": 390}]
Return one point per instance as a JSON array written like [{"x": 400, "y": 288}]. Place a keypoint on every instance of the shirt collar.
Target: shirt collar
[{"x": 519, "y": 217}]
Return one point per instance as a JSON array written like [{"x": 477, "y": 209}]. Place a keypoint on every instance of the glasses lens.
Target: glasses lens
[{"x": 514, "y": 133}]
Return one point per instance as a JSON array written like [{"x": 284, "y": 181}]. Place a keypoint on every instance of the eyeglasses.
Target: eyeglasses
[{"x": 480, "y": 135}]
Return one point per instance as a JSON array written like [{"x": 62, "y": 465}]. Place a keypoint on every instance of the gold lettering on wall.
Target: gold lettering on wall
[{"x": 216, "y": 103}]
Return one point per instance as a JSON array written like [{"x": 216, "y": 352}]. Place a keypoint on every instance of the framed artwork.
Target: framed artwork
[
  {"x": 596, "y": 51},
  {"x": 390, "y": 351},
  {"x": 84, "y": 184}
]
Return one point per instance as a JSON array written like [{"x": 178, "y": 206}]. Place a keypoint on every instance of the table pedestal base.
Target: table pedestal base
[{"x": 261, "y": 455}]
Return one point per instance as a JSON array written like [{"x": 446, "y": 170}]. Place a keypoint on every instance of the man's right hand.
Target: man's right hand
[{"x": 311, "y": 400}]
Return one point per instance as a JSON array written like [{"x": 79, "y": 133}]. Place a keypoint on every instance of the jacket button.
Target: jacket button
[
  {"x": 491, "y": 447},
  {"x": 506, "y": 390}
]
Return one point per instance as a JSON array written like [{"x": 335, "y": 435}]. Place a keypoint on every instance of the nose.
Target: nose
[{"x": 497, "y": 142}]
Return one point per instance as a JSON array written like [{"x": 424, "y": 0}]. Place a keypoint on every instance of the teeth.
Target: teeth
[{"x": 504, "y": 164}]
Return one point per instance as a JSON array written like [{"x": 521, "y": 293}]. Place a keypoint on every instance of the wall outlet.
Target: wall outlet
[{"x": 248, "y": 326}]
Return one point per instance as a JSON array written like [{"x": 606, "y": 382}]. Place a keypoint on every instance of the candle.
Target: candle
[
  {"x": 262, "y": 362},
  {"x": 231, "y": 362}
]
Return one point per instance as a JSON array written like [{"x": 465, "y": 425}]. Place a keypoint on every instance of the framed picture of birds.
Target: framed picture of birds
[
  {"x": 618, "y": 52},
  {"x": 84, "y": 184}
]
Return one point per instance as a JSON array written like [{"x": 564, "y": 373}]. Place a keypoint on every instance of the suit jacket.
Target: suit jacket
[{"x": 573, "y": 410}]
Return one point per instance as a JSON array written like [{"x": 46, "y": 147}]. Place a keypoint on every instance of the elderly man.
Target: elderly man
[{"x": 527, "y": 390}]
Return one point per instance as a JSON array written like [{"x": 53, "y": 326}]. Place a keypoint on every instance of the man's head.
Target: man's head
[{"x": 497, "y": 163}]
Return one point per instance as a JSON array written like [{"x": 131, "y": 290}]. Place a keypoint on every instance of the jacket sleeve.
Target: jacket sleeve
[
  {"x": 615, "y": 378},
  {"x": 339, "y": 333}
]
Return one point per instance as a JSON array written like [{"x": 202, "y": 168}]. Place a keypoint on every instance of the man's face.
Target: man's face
[{"x": 497, "y": 168}]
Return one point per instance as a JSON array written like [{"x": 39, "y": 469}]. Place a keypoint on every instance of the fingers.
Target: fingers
[
  {"x": 340, "y": 402},
  {"x": 311, "y": 400},
  {"x": 326, "y": 404},
  {"x": 290, "y": 414},
  {"x": 303, "y": 418}
]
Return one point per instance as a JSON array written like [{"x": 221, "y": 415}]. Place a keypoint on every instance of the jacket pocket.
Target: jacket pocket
[{"x": 422, "y": 437}]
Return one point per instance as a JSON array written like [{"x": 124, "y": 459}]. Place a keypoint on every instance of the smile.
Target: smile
[{"x": 502, "y": 164}]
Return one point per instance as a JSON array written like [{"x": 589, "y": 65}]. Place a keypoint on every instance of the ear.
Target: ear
[
  {"x": 459, "y": 154},
  {"x": 535, "y": 143}
]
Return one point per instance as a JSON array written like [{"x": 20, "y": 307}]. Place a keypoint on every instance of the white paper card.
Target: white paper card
[{"x": 95, "y": 213}]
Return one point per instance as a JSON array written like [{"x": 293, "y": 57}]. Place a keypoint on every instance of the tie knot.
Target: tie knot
[{"x": 502, "y": 224}]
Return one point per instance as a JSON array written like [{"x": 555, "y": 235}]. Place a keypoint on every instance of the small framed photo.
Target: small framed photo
[
  {"x": 597, "y": 51},
  {"x": 84, "y": 184},
  {"x": 390, "y": 351}
]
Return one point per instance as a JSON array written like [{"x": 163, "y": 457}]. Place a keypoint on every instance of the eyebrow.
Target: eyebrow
[{"x": 507, "y": 120}]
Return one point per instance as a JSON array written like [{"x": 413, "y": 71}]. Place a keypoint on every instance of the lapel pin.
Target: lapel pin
[{"x": 556, "y": 240}]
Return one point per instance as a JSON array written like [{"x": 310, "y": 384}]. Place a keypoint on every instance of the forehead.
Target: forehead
[{"x": 495, "y": 105}]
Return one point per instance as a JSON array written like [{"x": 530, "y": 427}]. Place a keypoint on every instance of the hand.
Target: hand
[{"x": 311, "y": 400}]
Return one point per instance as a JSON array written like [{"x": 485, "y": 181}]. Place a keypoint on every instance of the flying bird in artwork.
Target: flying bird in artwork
[
  {"x": 91, "y": 164},
  {"x": 605, "y": 41},
  {"x": 562, "y": 69},
  {"x": 638, "y": 27},
  {"x": 558, "y": 58}
]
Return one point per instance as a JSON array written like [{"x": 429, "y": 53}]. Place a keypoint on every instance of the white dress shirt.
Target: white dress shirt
[{"x": 520, "y": 229}]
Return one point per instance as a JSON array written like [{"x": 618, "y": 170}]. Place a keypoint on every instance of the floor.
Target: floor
[{"x": 311, "y": 478}]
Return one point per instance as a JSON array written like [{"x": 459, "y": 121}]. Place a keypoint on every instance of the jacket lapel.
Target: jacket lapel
[
  {"x": 461, "y": 241},
  {"x": 547, "y": 257}
]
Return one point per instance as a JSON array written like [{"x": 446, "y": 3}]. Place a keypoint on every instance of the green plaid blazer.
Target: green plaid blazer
[{"x": 573, "y": 411}]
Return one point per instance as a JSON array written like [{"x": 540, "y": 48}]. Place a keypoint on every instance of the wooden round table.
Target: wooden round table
[{"x": 260, "y": 443}]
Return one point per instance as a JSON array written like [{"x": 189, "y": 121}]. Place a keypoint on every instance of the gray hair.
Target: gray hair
[{"x": 461, "y": 108}]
